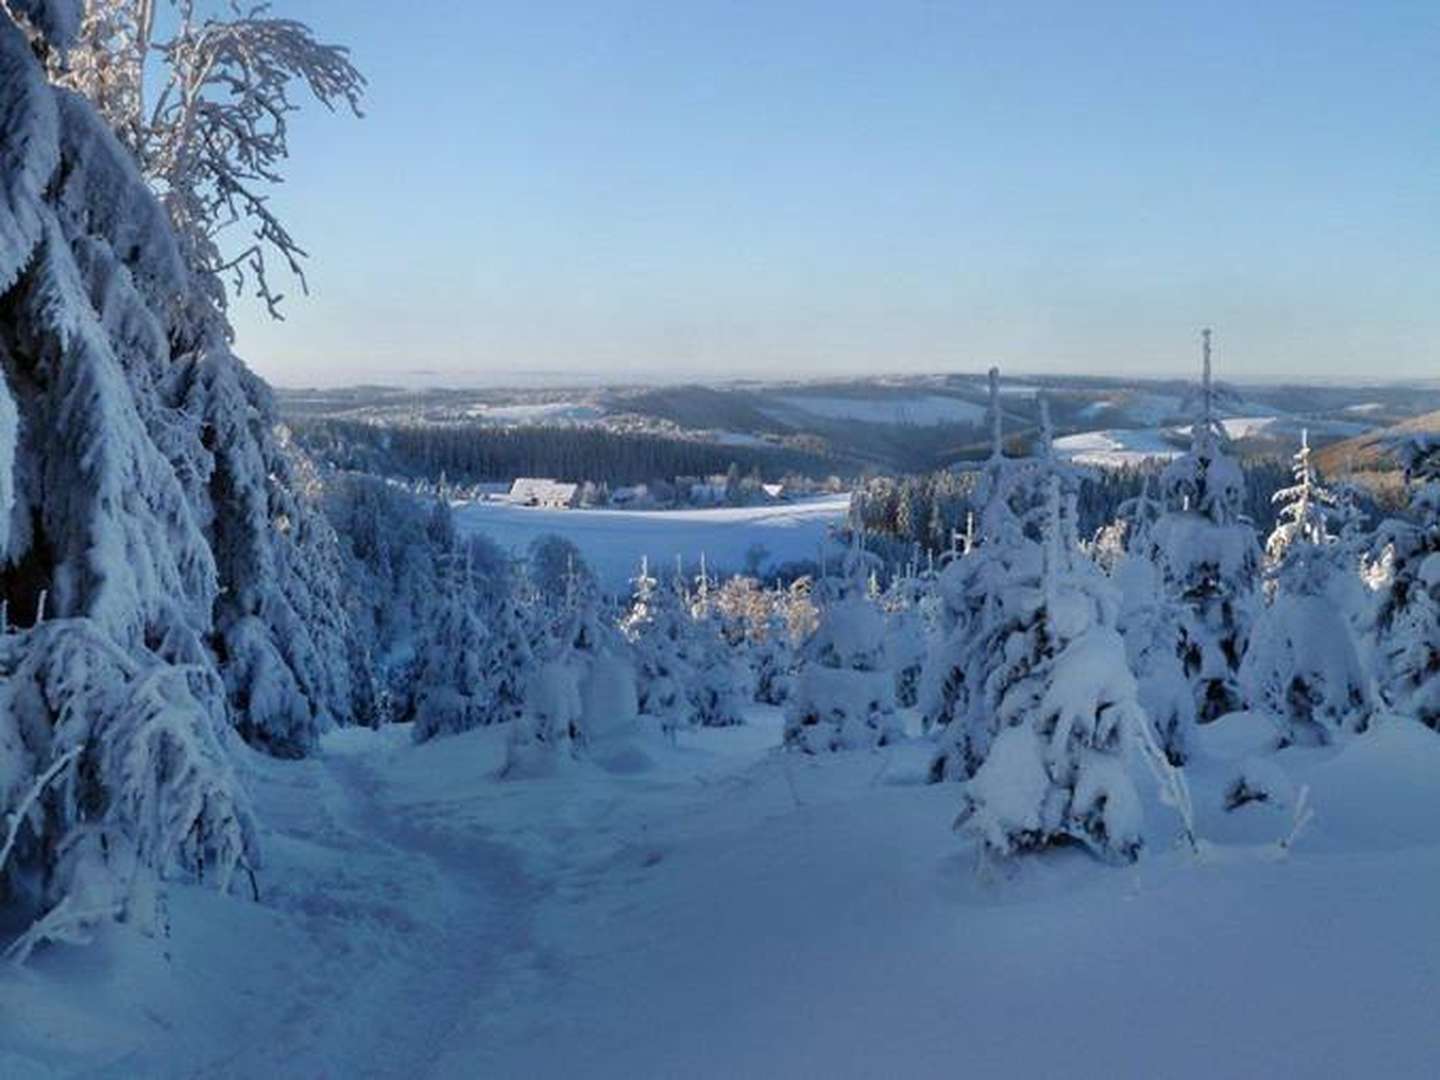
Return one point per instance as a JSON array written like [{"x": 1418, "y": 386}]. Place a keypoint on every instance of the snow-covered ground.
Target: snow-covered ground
[
  {"x": 923, "y": 410},
  {"x": 720, "y": 909},
  {"x": 1113, "y": 447},
  {"x": 613, "y": 541},
  {"x": 547, "y": 412}
]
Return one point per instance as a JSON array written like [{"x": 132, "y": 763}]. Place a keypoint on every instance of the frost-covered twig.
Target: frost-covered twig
[
  {"x": 1174, "y": 791},
  {"x": 1299, "y": 819},
  {"x": 60, "y": 923},
  {"x": 17, "y": 816}
]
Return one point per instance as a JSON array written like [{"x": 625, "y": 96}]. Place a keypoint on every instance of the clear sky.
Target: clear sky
[{"x": 792, "y": 188}]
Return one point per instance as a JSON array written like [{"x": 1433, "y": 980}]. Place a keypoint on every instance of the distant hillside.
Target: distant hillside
[{"x": 1372, "y": 451}]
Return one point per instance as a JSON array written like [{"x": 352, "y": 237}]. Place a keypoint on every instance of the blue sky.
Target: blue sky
[{"x": 795, "y": 188}]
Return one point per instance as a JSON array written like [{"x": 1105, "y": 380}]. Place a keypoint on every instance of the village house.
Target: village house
[{"x": 553, "y": 494}]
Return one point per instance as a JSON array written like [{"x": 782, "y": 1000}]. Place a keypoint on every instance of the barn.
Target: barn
[{"x": 531, "y": 491}]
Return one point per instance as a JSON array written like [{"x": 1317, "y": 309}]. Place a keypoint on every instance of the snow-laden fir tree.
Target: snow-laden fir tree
[
  {"x": 1304, "y": 666},
  {"x": 583, "y": 684},
  {"x": 1151, "y": 621},
  {"x": 168, "y": 572},
  {"x": 1408, "y": 579},
  {"x": 1061, "y": 710},
  {"x": 906, "y": 638},
  {"x": 508, "y": 655},
  {"x": 452, "y": 686},
  {"x": 1209, "y": 558},
  {"x": 657, "y": 626},
  {"x": 773, "y": 652},
  {"x": 718, "y": 688},
  {"x": 972, "y": 593},
  {"x": 844, "y": 695}
]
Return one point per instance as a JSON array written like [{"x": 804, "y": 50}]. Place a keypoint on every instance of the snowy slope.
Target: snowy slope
[
  {"x": 614, "y": 540},
  {"x": 1115, "y": 447},
  {"x": 717, "y": 909},
  {"x": 1130, "y": 446}
]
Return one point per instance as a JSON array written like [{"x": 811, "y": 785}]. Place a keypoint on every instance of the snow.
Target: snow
[
  {"x": 1116, "y": 447},
  {"x": 924, "y": 410},
  {"x": 717, "y": 909},
  {"x": 613, "y": 541},
  {"x": 547, "y": 412}
]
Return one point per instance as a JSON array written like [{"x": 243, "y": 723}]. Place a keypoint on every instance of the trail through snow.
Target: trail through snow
[{"x": 715, "y": 908}]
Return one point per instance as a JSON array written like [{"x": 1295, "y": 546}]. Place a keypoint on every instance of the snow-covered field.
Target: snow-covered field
[
  {"x": 1117, "y": 447},
  {"x": 613, "y": 541},
  {"x": 720, "y": 909},
  {"x": 1129, "y": 446}
]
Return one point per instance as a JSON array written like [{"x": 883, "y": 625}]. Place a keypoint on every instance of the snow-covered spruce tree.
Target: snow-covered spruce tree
[
  {"x": 1303, "y": 665},
  {"x": 1209, "y": 559},
  {"x": 1060, "y": 710},
  {"x": 657, "y": 626},
  {"x": 1408, "y": 621},
  {"x": 906, "y": 637},
  {"x": 508, "y": 656},
  {"x": 452, "y": 691},
  {"x": 113, "y": 717},
  {"x": 973, "y": 617},
  {"x": 844, "y": 694},
  {"x": 773, "y": 654},
  {"x": 1151, "y": 622},
  {"x": 719, "y": 678},
  {"x": 582, "y": 687}
]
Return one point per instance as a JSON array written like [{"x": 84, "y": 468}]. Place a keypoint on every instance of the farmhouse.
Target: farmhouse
[{"x": 528, "y": 491}]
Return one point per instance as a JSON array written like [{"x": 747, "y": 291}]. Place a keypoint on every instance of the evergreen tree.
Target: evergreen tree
[
  {"x": 1303, "y": 665},
  {"x": 1209, "y": 559},
  {"x": 1408, "y": 621},
  {"x": 1061, "y": 711},
  {"x": 845, "y": 694},
  {"x": 452, "y": 691}
]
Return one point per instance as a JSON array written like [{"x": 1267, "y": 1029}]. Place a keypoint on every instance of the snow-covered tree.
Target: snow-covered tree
[
  {"x": 1045, "y": 762},
  {"x": 452, "y": 687},
  {"x": 906, "y": 635},
  {"x": 844, "y": 695},
  {"x": 165, "y": 564},
  {"x": 584, "y": 685},
  {"x": 657, "y": 625},
  {"x": 215, "y": 135},
  {"x": 1303, "y": 665},
  {"x": 1209, "y": 558},
  {"x": 1151, "y": 621},
  {"x": 113, "y": 724},
  {"x": 719, "y": 682},
  {"x": 972, "y": 592},
  {"x": 1408, "y": 621}
]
